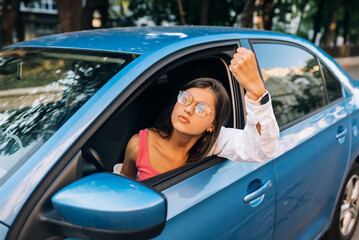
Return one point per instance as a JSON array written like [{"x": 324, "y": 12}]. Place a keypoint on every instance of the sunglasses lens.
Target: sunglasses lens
[
  {"x": 184, "y": 98},
  {"x": 202, "y": 110}
]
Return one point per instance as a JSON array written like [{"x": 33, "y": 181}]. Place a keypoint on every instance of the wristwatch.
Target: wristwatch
[{"x": 264, "y": 99}]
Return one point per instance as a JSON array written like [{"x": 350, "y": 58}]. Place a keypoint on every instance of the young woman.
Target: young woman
[{"x": 195, "y": 129}]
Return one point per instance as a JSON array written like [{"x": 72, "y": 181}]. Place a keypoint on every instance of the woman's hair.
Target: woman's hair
[{"x": 222, "y": 114}]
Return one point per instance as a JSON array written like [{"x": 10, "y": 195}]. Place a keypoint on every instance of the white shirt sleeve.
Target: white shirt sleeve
[{"x": 248, "y": 145}]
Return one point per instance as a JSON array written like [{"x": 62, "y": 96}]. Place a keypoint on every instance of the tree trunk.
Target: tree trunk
[
  {"x": 346, "y": 33},
  {"x": 317, "y": 19},
  {"x": 301, "y": 7},
  {"x": 20, "y": 34},
  {"x": 181, "y": 12},
  {"x": 10, "y": 12},
  {"x": 204, "y": 12},
  {"x": 87, "y": 14},
  {"x": 333, "y": 23},
  {"x": 70, "y": 14},
  {"x": 267, "y": 14},
  {"x": 104, "y": 12},
  {"x": 247, "y": 17}
]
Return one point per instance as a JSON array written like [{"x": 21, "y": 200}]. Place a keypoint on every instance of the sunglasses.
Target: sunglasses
[{"x": 202, "y": 109}]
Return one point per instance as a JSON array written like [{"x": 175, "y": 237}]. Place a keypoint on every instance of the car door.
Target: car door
[
  {"x": 210, "y": 205},
  {"x": 315, "y": 138},
  {"x": 213, "y": 204}
]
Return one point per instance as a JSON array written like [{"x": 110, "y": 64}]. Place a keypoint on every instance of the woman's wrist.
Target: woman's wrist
[{"x": 255, "y": 95}]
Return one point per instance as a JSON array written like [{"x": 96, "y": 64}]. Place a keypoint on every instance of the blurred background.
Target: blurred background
[{"x": 330, "y": 24}]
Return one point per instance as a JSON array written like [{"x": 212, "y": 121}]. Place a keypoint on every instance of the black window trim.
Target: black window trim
[
  {"x": 327, "y": 104},
  {"x": 321, "y": 65}
]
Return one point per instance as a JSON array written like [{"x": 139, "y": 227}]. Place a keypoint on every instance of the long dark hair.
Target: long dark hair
[{"x": 222, "y": 110}]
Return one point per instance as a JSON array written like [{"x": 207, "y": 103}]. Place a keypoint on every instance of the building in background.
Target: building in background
[{"x": 39, "y": 18}]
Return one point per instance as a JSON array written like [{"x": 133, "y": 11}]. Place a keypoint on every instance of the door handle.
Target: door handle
[
  {"x": 341, "y": 134},
  {"x": 258, "y": 193}
]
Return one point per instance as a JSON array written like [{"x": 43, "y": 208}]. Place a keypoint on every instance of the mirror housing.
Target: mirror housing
[{"x": 105, "y": 204}]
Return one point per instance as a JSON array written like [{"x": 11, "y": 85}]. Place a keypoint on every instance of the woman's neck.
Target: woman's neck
[{"x": 182, "y": 143}]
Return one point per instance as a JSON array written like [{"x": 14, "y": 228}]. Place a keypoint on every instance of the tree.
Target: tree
[
  {"x": 87, "y": 14},
  {"x": 301, "y": 5},
  {"x": 266, "y": 13},
  {"x": 247, "y": 17},
  {"x": 333, "y": 23},
  {"x": 103, "y": 6},
  {"x": 9, "y": 20},
  {"x": 181, "y": 12},
  {"x": 317, "y": 19},
  {"x": 70, "y": 14},
  {"x": 204, "y": 12}
]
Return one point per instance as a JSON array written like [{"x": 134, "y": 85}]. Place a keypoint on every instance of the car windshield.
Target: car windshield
[{"x": 40, "y": 89}]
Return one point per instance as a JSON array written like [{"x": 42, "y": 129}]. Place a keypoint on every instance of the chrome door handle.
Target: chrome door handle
[
  {"x": 258, "y": 193},
  {"x": 341, "y": 134}
]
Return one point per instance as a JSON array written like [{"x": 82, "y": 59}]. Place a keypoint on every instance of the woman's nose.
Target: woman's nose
[{"x": 190, "y": 109}]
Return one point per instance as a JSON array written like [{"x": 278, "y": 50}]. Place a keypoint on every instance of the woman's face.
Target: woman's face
[{"x": 184, "y": 118}]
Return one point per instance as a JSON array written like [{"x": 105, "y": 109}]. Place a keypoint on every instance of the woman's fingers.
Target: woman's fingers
[{"x": 244, "y": 68}]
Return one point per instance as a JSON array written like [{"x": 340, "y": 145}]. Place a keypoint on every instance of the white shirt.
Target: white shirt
[{"x": 248, "y": 145}]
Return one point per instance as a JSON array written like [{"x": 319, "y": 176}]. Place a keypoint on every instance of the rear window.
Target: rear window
[
  {"x": 40, "y": 89},
  {"x": 292, "y": 76}
]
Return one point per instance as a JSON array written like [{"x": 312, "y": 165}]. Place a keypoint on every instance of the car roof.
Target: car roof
[{"x": 137, "y": 40}]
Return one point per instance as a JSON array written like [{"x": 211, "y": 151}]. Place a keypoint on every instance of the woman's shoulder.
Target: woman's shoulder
[{"x": 132, "y": 147}]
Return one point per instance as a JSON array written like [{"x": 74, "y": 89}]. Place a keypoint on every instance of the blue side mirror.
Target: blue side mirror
[{"x": 113, "y": 204}]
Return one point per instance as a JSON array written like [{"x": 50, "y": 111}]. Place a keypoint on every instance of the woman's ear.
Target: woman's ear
[{"x": 210, "y": 129}]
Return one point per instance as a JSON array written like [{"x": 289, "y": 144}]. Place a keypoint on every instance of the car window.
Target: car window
[
  {"x": 334, "y": 89},
  {"x": 292, "y": 76},
  {"x": 150, "y": 107},
  {"x": 39, "y": 90}
]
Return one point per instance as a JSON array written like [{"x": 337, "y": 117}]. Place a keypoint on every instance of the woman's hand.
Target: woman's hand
[{"x": 245, "y": 70}]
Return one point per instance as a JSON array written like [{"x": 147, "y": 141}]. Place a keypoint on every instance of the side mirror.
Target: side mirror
[{"x": 109, "y": 206}]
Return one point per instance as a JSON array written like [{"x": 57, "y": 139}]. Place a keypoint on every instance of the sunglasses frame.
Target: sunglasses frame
[{"x": 193, "y": 100}]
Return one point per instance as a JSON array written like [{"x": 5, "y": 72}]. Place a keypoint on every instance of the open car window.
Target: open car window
[{"x": 151, "y": 105}]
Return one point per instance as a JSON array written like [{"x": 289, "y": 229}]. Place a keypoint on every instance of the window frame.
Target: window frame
[
  {"x": 170, "y": 178},
  {"x": 321, "y": 64},
  {"x": 327, "y": 104}
]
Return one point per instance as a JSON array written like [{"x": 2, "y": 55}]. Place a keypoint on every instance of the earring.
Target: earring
[{"x": 209, "y": 130}]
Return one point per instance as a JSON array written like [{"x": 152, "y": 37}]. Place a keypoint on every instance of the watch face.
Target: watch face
[{"x": 265, "y": 99}]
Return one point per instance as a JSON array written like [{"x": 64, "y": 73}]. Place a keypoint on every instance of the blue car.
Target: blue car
[{"x": 69, "y": 103}]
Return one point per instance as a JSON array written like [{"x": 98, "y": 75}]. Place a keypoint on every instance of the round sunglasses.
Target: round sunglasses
[{"x": 202, "y": 109}]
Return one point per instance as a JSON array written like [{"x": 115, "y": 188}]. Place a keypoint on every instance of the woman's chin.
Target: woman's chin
[{"x": 187, "y": 130}]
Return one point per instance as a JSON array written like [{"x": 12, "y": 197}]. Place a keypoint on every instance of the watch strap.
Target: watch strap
[{"x": 265, "y": 99}]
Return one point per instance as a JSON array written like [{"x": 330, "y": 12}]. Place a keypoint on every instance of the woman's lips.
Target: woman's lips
[{"x": 183, "y": 119}]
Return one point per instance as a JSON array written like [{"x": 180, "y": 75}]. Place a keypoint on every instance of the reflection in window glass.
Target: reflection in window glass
[
  {"x": 292, "y": 77},
  {"x": 334, "y": 89},
  {"x": 39, "y": 90}
]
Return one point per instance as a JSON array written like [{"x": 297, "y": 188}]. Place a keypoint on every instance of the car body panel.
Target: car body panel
[
  {"x": 129, "y": 40},
  {"x": 3, "y": 231},
  {"x": 308, "y": 185},
  {"x": 214, "y": 198}
]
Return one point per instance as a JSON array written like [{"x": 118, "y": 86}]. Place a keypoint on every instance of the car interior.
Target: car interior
[{"x": 150, "y": 106}]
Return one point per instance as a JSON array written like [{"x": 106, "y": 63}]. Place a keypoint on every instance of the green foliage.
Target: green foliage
[
  {"x": 220, "y": 13},
  {"x": 290, "y": 16}
]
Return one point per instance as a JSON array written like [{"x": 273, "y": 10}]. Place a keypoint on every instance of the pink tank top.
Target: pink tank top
[{"x": 143, "y": 164}]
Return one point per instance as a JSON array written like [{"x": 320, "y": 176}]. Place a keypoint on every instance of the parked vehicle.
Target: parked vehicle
[{"x": 70, "y": 102}]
